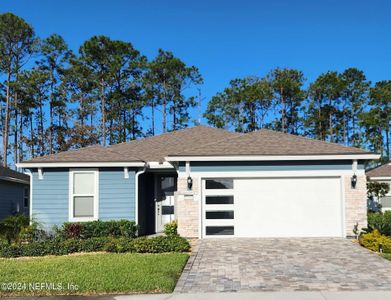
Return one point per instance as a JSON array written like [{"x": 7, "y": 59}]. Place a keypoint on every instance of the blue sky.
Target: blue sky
[{"x": 229, "y": 39}]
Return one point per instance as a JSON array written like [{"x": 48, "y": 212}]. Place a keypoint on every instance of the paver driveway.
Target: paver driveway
[{"x": 331, "y": 264}]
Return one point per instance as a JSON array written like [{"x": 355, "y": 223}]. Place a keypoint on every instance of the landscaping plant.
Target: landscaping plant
[
  {"x": 380, "y": 222},
  {"x": 60, "y": 246},
  {"x": 11, "y": 226},
  {"x": 171, "y": 229},
  {"x": 374, "y": 239}
]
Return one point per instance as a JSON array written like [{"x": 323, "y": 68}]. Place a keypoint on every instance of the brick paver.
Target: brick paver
[{"x": 316, "y": 264}]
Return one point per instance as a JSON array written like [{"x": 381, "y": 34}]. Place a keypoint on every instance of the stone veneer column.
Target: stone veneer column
[
  {"x": 187, "y": 208},
  {"x": 355, "y": 204}
]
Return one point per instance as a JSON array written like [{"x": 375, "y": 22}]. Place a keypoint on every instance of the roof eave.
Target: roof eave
[
  {"x": 12, "y": 179},
  {"x": 358, "y": 156},
  {"x": 78, "y": 164}
]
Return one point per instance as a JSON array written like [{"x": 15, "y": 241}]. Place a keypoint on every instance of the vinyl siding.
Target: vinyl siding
[
  {"x": 116, "y": 195},
  {"x": 268, "y": 166},
  {"x": 12, "y": 194},
  {"x": 50, "y": 205},
  {"x": 50, "y": 197}
]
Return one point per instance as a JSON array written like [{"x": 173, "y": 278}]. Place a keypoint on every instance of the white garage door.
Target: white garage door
[{"x": 272, "y": 207}]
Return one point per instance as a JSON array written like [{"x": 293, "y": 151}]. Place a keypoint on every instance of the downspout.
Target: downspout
[
  {"x": 136, "y": 190},
  {"x": 31, "y": 196}
]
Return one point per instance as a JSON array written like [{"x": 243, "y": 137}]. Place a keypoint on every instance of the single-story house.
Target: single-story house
[
  {"x": 382, "y": 173},
  {"x": 14, "y": 193},
  {"x": 215, "y": 183}
]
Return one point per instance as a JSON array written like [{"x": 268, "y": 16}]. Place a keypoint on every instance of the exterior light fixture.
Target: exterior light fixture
[
  {"x": 189, "y": 183},
  {"x": 354, "y": 181}
]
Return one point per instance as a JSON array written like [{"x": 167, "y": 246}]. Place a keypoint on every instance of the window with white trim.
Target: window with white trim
[
  {"x": 83, "y": 195},
  {"x": 26, "y": 197}
]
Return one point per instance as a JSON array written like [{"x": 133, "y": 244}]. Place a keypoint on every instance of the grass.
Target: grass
[
  {"x": 97, "y": 273},
  {"x": 387, "y": 256}
]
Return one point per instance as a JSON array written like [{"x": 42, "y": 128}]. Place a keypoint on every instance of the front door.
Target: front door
[{"x": 164, "y": 200}]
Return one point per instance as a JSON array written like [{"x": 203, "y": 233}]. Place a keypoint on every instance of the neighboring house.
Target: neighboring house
[
  {"x": 382, "y": 174},
  {"x": 213, "y": 182},
  {"x": 14, "y": 192}
]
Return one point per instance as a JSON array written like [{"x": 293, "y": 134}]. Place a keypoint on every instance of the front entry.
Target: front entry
[{"x": 164, "y": 200}]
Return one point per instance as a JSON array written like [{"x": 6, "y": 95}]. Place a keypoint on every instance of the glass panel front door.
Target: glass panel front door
[{"x": 166, "y": 186}]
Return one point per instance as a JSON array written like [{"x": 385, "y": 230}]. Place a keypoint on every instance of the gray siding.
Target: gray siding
[
  {"x": 12, "y": 197},
  {"x": 235, "y": 166},
  {"x": 51, "y": 196}
]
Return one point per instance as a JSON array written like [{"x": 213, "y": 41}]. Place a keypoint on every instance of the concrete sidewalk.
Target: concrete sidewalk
[{"x": 321, "y": 295}]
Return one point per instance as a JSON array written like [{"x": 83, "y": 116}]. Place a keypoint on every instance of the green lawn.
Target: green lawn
[
  {"x": 92, "y": 274},
  {"x": 387, "y": 256}
]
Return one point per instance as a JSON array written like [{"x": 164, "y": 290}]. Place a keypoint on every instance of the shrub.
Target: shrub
[
  {"x": 171, "y": 229},
  {"x": 377, "y": 189},
  {"x": 86, "y": 230},
  {"x": 72, "y": 230},
  {"x": 373, "y": 239},
  {"x": 32, "y": 233},
  {"x": 11, "y": 226},
  {"x": 380, "y": 222},
  {"x": 60, "y": 246}
]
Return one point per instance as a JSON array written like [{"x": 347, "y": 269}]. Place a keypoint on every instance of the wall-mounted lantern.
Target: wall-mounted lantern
[
  {"x": 354, "y": 181},
  {"x": 189, "y": 183}
]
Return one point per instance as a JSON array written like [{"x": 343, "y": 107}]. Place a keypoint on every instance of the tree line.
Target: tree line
[
  {"x": 54, "y": 99},
  {"x": 343, "y": 108}
]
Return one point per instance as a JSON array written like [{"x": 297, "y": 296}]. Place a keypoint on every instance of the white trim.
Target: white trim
[
  {"x": 159, "y": 165},
  {"x": 354, "y": 166},
  {"x": 126, "y": 172},
  {"x": 40, "y": 174},
  {"x": 342, "y": 180},
  {"x": 379, "y": 178},
  {"x": 96, "y": 195},
  {"x": 79, "y": 164},
  {"x": 273, "y": 157},
  {"x": 187, "y": 168},
  {"x": 268, "y": 173},
  {"x": 136, "y": 192}
]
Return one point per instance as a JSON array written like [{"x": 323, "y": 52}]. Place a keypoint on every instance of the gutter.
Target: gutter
[
  {"x": 78, "y": 164},
  {"x": 136, "y": 191},
  {"x": 364, "y": 156}
]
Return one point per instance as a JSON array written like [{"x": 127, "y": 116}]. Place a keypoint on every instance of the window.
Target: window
[
  {"x": 219, "y": 199},
  {"x": 219, "y": 214},
  {"x": 26, "y": 197},
  {"x": 167, "y": 186},
  {"x": 219, "y": 230},
  {"x": 220, "y": 184},
  {"x": 83, "y": 195}
]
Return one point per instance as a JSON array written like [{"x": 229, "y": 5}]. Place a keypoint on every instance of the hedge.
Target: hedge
[
  {"x": 94, "y": 229},
  {"x": 59, "y": 246},
  {"x": 380, "y": 222},
  {"x": 373, "y": 239}
]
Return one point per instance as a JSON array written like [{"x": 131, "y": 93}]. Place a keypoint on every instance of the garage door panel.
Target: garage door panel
[
  {"x": 281, "y": 207},
  {"x": 288, "y": 207}
]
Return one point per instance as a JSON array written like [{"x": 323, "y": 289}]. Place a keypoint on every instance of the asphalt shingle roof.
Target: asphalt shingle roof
[
  {"x": 381, "y": 171},
  {"x": 8, "y": 174},
  {"x": 153, "y": 148},
  {"x": 268, "y": 142},
  {"x": 201, "y": 141}
]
